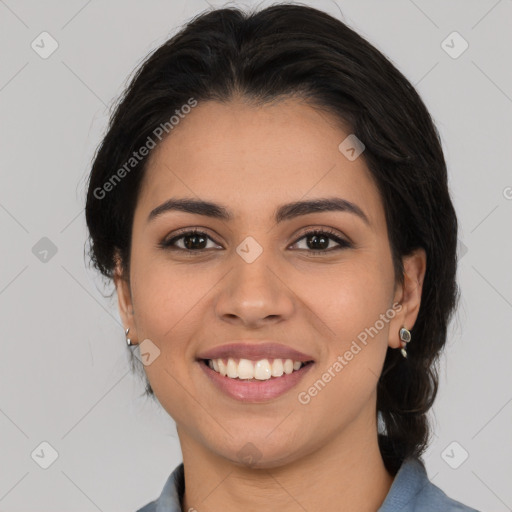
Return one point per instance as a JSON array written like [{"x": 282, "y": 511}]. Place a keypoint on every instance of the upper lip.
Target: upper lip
[{"x": 254, "y": 352}]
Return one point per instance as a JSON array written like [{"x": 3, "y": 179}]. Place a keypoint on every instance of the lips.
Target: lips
[
  {"x": 255, "y": 352},
  {"x": 255, "y": 391}
]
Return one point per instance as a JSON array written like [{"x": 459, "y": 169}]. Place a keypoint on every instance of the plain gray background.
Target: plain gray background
[{"x": 65, "y": 378}]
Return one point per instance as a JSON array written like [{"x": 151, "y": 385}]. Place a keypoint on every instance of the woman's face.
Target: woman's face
[{"x": 255, "y": 279}]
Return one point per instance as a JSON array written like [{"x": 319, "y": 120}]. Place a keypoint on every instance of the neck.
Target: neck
[{"x": 347, "y": 473}]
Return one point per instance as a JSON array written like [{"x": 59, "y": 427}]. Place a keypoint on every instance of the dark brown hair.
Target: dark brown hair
[{"x": 276, "y": 52}]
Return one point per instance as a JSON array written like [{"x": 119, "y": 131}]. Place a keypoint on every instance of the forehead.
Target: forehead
[{"x": 253, "y": 158}]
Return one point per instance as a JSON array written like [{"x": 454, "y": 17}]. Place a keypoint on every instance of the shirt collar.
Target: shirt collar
[
  {"x": 172, "y": 494},
  {"x": 410, "y": 480}
]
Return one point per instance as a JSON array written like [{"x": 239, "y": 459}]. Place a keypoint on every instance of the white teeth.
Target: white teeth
[
  {"x": 259, "y": 370},
  {"x": 232, "y": 369},
  {"x": 277, "y": 368},
  {"x": 222, "y": 367},
  {"x": 262, "y": 370},
  {"x": 245, "y": 369}
]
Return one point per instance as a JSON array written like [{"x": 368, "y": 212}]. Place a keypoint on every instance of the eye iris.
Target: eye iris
[
  {"x": 194, "y": 237},
  {"x": 318, "y": 239}
]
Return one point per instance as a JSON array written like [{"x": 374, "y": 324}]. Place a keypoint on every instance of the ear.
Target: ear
[
  {"x": 124, "y": 298},
  {"x": 408, "y": 295}
]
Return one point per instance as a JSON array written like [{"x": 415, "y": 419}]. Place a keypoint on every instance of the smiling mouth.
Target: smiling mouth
[{"x": 261, "y": 370}]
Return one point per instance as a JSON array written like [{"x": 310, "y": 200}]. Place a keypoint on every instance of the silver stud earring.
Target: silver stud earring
[
  {"x": 405, "y": 337},
  {"x": 128, "y": 340}
]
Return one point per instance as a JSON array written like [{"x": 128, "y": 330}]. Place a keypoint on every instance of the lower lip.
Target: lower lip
[{"x": 255, "y": 390}]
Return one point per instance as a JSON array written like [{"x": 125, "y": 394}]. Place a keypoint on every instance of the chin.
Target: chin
[{"x": 261, "y": 455}]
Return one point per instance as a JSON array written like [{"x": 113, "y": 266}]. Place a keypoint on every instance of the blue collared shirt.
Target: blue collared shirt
[{"x": 411, "y": 491}]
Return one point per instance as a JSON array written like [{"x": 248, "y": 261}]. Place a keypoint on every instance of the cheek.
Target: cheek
[
  {"x": 349, "y": 297},
  {"x": 164, "y": 294},
  {"x": 350, "y": 305},
  {"x": 164, "y": 297}
]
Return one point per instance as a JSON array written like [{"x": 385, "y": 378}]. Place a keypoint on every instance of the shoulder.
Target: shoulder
[
  {"x": 150, "y": 507},
  {"x": 171, "y": 495},
  {"x": 412, "y": 491},
  {"x": 434, "y": 498}
]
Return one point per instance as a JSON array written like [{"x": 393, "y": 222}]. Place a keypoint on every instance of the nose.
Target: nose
[{"x": 254, "y": 294}]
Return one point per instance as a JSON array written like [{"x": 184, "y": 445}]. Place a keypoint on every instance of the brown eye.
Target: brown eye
[
  {"x": 193, "y": 241},
  {"x": 317, "y": 241}
]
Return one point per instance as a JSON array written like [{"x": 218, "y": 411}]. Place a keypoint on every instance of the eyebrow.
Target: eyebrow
[{"x": 283, "y": 213}]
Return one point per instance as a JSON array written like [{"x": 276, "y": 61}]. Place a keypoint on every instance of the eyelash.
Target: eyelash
[{"x": 344, "y": 244}]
